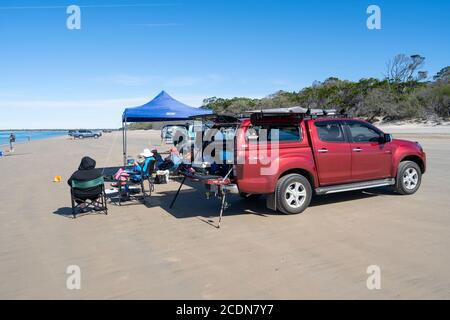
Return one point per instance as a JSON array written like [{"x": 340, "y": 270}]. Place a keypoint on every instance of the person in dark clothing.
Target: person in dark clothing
[
  {"x": 159, "y": 159},
  {"x": 86, "y": 172},
  {"x": 12, "y": 139}
]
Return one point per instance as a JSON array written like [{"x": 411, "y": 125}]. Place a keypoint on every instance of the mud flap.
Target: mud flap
[{"x": 271, "y": 202}]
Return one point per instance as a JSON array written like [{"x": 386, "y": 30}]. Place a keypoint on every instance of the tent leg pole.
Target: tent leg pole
[
  {"x": 126, "y": 142},
  {"x": 178, "y": 192},
  {"x": 123, "y": 144},
  {"x": 222, "y": 208}
]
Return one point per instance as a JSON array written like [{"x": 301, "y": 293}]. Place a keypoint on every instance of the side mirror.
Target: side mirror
[{"x": 386, "y": 138}]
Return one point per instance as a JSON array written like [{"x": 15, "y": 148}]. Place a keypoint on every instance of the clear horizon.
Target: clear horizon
[{"x": 125, "y": 54}]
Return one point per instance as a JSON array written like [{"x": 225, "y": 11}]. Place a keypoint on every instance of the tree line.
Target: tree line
[{"x": 405, "y": 92}]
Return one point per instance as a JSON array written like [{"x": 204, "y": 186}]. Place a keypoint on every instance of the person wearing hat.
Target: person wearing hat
[{"x": 142, "y": 164}]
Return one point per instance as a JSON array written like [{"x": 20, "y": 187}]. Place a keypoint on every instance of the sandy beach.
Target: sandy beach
[{"x": 153, "y": 252}]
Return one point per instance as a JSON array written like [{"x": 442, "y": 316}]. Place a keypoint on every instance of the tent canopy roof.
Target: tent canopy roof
[{"x": 162, "y": 108}]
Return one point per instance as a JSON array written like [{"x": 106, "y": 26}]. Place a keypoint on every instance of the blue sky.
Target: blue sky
[{"x": 128, "y": 51}]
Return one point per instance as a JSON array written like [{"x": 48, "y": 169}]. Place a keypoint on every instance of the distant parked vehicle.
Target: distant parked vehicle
[
  {"x": 81, "y": 134},
  {"x": 168, "y": 132},
  {"x": 106, "y": 130}
]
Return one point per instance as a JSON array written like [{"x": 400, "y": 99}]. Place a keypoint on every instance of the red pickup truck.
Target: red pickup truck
[{"x": 319, "y": 155}]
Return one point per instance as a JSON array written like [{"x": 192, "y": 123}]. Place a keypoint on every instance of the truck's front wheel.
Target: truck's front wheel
[
  {"x": 293, "y": 194},
  {"x": 409, "y": 177}
]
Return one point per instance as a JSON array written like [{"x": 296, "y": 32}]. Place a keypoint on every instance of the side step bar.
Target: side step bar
[{"x": 355, "y": 186}]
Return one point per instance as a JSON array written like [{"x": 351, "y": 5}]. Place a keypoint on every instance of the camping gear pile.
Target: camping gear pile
[{"x": 126, "y": 183}]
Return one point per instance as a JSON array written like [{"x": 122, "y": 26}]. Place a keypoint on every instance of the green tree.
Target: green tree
[{"x": 443, "y": 75}]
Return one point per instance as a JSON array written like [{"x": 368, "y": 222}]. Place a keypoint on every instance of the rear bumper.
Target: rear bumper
[{"x": 261, "y": 185}]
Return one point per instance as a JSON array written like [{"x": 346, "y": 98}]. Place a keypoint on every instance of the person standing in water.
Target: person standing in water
[{"x": 12, "y": 139}]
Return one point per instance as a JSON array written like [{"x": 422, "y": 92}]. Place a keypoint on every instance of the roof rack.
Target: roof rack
[
  {"x": 296, "y": 109},
  {"x": 295, "y": 113}
]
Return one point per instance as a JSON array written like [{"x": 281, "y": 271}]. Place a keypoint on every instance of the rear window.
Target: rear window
[
  {"x": 285, "y": 133},
  {"x": 330, "y": 131}
]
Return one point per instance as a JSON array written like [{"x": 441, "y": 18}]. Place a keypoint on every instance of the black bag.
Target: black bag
[{"x": 160, "y": 179}]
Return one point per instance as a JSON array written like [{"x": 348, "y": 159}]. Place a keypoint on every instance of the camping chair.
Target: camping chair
[
  {"x": 143, "y": 195},
  {"x": 101, "y": 201}
]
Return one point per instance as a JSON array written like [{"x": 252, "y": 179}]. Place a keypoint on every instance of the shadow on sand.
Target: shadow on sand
[
  {"x": 192, "y": 203},
  {"x": 66, "y": 212}
]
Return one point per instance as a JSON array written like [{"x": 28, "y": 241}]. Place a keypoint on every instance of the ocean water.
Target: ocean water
[{"x": 22, "y": 136}]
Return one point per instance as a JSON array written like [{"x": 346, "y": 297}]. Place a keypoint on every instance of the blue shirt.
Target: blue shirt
[
  {"x": 176, "y": 159},
  {"x": 138, "y": 169}
]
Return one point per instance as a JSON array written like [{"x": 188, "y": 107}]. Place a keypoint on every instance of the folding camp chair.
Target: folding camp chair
[
  {"x": 125, "y": 192},
  {"x": 100, "y": 203}
]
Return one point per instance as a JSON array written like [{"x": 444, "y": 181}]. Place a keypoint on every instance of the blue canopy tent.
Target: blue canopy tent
[{"x": 162, "y": 108}]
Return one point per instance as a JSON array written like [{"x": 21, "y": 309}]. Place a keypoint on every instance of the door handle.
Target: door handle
[
  {"x": 357, "y": 150},
  {"x": 323, "y": 150}
]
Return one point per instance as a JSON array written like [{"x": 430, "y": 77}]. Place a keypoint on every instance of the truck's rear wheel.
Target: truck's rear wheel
[
  {"x": 409, "y": 177},
  {"x": 293, "y": 194}
]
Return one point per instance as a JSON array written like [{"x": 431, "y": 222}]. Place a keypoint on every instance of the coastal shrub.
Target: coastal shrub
[{"x": 368, "y": 98}]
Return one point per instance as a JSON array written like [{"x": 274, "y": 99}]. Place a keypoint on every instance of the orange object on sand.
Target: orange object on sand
[{"x": 57, "y": 179}]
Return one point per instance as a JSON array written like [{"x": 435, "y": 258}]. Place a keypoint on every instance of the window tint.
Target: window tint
[
  {"x": 267, "y": 133},
  {"x": 363, "y": 133},
  {"x": 330, "y": 131},
  {"x": 285, "y": 133}
]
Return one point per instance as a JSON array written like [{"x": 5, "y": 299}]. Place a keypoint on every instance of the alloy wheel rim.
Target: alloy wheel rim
[
  {"x": 295, "y": 195},
  {"x": 410, "y": 178}
]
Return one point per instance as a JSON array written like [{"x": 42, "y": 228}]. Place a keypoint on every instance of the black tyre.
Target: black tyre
[
  {"x": 249, "y": 196},
  {"x": 80, "y": 137},
  {"x": 409, "y": 178},
  {"x": 96, "y": 136},
  {"x": 293, "y": 194}
]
